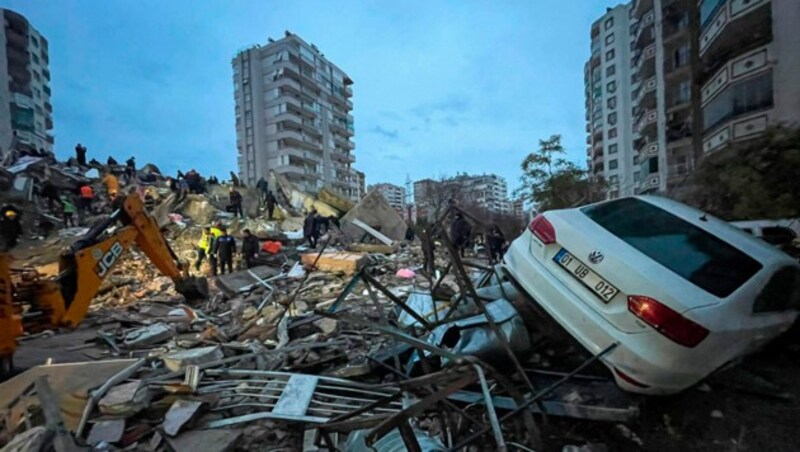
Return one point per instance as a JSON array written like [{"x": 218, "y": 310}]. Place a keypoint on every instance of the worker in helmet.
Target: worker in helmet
[{"x": 10, "y": 227}]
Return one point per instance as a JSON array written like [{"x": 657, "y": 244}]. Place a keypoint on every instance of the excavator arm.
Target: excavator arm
[{"x": 64, "y": 301}]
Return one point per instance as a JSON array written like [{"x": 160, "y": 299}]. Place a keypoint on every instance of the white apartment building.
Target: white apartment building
[
  {"x": 293, "y": 116},
  {"x": 25, "y": 107},
  {"x": 485, "y": 191},
  {"x": 607, "y": 78},
  {"x": 750, "y": 57},
  {"x": 394, "y": 194}
]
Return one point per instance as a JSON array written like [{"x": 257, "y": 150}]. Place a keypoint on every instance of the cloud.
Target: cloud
[
  {"x": 450, "y": 104},
  {"x": 378, "y": 130}
]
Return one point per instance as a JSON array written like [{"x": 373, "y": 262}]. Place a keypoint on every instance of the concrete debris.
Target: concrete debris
[
  {"x": 108, "y": 431},
  {"x": 147, "y": 336},
  {"x": 178, "y": 360},
  {"x": 125, "y": 399},
  {"x": 181, "y": 412},
  {"x": 341, "y": 263}
]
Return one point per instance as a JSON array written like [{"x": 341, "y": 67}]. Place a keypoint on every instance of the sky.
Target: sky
[{"x": 441, "y": 87}]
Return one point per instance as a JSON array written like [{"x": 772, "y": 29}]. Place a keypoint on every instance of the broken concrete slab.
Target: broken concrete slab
[
  {"x": 371, "y": 231},
  {"x": 109, "y": 431},
  {"x": 181, "y": 412},
  {"x": 178, "y": 360},
  {"x": 148, "y": 336},
  {"x": 243, "y": 281},
  {"x": 196, "y": 440},
  {"x": 125, "y": 399},
  {"x": 375, "y": 211},
  {"x": 371, "y": 248},
  {"x": 345, "y": 263}
]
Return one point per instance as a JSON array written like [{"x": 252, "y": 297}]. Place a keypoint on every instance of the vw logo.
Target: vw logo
[{"x": 596, "y": 257}]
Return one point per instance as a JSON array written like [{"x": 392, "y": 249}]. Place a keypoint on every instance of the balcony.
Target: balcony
[
  {"x": 343, "y": 142},
  {"x": 348, "y": 91},
  {"x": 737, "y": 27},
  {"x": 679, "y": 130},
  {"x": 645, "y": 123},
  {"x": 645, "y": 65},
  {"x": 641, "y": 8},
  {"x": 646, "y": 34},
  {"x": 48, "y": 123},
  {"x": 16, "y": 22},
  {"x": 286, "y": 83},
  {"x": 16, "y": 39},
  {"x": 646, "y": 94}
]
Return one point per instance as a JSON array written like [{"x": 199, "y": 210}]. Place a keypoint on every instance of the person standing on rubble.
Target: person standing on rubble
[
  {"x": 203, "y": 247},
  {"x": 494, "y": 243},
  {"x": 310, "y": 230},
  {"x": 68, "y": 211},
  {"x": 225, "y": 247},
  {"x": 263, "y": 189},
  {"x": 10, "y": 227},
  {"x": 112, "y": 185},
  {"x": 250, "y": 247},
  {"x": 460, "y": 232},
  {"x": 216, "y": 232},
  {"x": 270, "y": 204},
  {"x": 111, "y": 161},
  {"x": 50, "y": 193},
  {"x": 86, "y": 198},
  {"x": 130, "y": 167},
  {"x": 236, "y": 202},
  {"x": 80, "y": 154}
]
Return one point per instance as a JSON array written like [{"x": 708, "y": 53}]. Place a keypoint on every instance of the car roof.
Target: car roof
[{"x": 758, "y": 249}]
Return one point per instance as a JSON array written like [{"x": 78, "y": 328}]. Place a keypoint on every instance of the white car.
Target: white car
[{"x": 681, "y": 292}]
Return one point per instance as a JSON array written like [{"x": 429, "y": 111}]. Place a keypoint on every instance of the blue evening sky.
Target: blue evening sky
[{"x": 440, "y": 86}]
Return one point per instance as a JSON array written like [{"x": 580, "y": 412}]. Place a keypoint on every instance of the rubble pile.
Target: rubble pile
[{"x": 366, "y": 341}]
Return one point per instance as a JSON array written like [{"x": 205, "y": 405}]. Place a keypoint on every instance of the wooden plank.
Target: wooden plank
[
  {"x": 296, "y": 396},
  {"x": 346, "y": 263}
]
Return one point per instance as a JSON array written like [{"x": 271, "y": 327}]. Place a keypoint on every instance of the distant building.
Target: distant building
[
  {"x": 394, "y": 194},
  {"x": 362, "y": 183},
  {"x": 518, "y": 209},
  {"x": 293, "y": 116},
  {"x": 488, "y": 192},
  {"x": 25, "y": 108}
]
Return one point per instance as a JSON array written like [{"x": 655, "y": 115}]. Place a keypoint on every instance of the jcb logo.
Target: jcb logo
[{"x": 107, "y": 261}]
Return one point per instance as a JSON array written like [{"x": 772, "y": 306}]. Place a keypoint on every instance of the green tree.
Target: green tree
[
  {"x": 752, "y": 180},
  {"x": 551, "y": 182}
]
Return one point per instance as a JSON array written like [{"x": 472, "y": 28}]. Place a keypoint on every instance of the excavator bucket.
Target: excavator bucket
[{"x": 193, "y": 287}]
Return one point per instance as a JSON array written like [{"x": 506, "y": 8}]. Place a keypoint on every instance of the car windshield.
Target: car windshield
[{"x": 710, "y": 263}]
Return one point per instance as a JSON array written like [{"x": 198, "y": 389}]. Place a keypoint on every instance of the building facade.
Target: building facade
[
  {"x": 607, "y": 77},
  {"x": 26, "y": 112},
  {"x": 750, "y": 61},
  {"x": 293, "y": 116},
  {"x": 394, "y": 194},
  {"x": 487, "y": 192}
]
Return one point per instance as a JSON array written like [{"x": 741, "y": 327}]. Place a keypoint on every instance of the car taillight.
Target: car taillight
[
  {"x": 543, "y": 230},
  {"x": 666, "y": 321}
]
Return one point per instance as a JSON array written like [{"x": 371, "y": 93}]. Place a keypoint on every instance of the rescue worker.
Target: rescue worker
[
  {"x": 111, "y": 161},
  {"x": 216, "y": 232},
  {"x": 87, "y": 196},
  {"x": 236, "y": 202},
  {"x": 250, "y": 247},
  {"x": 270, "y": 204},
  {"x": 225, "y": 248},
  {"x": 235, "y": 180},
  {"x": 494, "y": 243},
  {"x": 203, "y": 247},
  {"x": 50, "y": 193},
  {"x": 460, "y": 232},
  {"x": 10, "y": 227},
  {"x": 410, "y": 234},
  {"x": 112, "y": 185},
  {"x": 130, "y": 167},
  {"x": 80, "y": 154},
  {"x": 68, "y": 211},
  {"x": 310, "y": 230}
]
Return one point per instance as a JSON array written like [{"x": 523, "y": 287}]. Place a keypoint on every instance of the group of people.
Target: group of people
[
  {"x": 461, "y": 234},
  {"x": 220, "y": 249},
  {"x": 315, "y": 225}
]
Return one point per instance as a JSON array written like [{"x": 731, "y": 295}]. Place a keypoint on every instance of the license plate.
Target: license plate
[{"x": 585, "y": 275}]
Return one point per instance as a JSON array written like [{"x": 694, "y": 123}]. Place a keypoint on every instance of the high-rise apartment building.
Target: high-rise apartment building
[
  {"x": 293, "y": 116},
  {"x": 26, "y": 111},
  {"x": 750, "y": 61},
  {"x": 488, "y": 192},
  {"x": 394, "y": 194},
  {"x": 607, "y": 78}
]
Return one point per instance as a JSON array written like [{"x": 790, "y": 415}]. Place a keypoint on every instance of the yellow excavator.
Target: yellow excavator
[{"x": 30, "y": 302}]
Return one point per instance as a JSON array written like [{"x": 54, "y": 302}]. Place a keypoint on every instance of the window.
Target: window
[
  {"x": 681, "y": 57},
  {"x": 612, "y": 148},
  {"x": 781, "y": 292},
  {"x": 613, "y": 180},
  {"x": 613, "y": 164},
  {"x": 35, "y": 58},
  {"x": 683, "y": 93},
  {"x": 611, "y": 103},
  {"x": 34, "y": 41},
  {"x": 635, "y": 159},
  {"x": 610, "y": 55},
  {"x": 652, "y": 165},
  {"x": 738, "y": 99},
  {"x": 36, "y": 76},
  {"x": 611, "y": 70},
  {"x": 636, "y": 176},
  {"x": 612, "y": 119},
  {"x": 611, "y": 87},
  {"x": 683, "y": 248},
  {"x": 610, "y": 39},
  {"x": 708, "y": 9},
  {"x": 612, "y": 133},
  {"x": 609, "y": 23}
]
